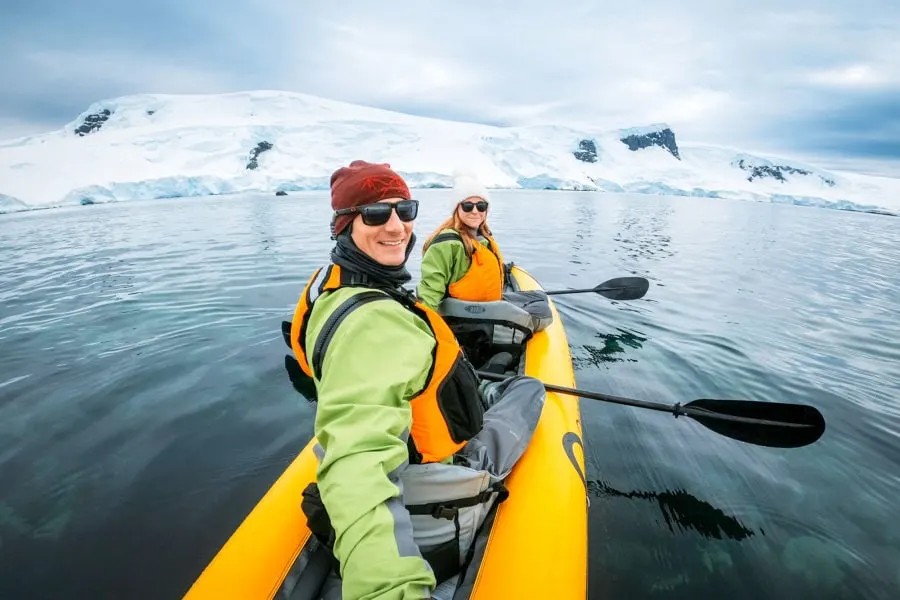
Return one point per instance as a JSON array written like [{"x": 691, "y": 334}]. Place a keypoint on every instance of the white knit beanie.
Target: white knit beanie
[{"x": 466, "y": 185}]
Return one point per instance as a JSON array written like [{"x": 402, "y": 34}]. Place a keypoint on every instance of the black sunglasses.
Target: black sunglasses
[
  {"x": 467, "y": 206},
  {"x": 379, "y": 213}
]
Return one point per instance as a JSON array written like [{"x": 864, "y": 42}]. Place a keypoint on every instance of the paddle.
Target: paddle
[
  {"x": 762, "y": 423},
  {"x": 620, "y": 288}
]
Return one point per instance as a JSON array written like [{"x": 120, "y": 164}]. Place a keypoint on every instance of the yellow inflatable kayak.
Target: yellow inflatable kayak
[{"x": 533, "y": 545}]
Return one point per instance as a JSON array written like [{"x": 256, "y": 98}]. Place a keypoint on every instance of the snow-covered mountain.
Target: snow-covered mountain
[{"x": 155, "y": 146}]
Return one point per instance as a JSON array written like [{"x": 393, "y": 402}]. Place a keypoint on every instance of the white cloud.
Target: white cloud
[
  {"x": 124, "y": 70},
  {"x": 852, "y": 76},
  {"x": 723, "y": 71}
]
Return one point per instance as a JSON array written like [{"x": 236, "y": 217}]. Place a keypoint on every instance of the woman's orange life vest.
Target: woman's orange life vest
[
  {"x": 448, "y": 411},
  {"x": 483, "y": 282}
]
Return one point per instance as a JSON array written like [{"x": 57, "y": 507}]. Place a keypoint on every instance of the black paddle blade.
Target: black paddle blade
[
  {"x": 618, "y": 288},
  {"x": 623, "y": 288},
  {"x": 762, "y": 423}
]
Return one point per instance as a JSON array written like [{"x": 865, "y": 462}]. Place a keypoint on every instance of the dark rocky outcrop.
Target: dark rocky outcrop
[
  {"x": 777, "y": 172},
  {"x": 587, "y": 151},
  {"x": 254, "y": 154},
  {"x": 664, "y": 138},
  {"x": 281, "y": 193},
  {"x": 93, "y": 122},
  {"x": 881, "y": 211}
]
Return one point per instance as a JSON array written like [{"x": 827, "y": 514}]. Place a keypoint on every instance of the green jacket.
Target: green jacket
[
  {"x": 377, "y": 359},
  {"x": 443, "y": 264}
]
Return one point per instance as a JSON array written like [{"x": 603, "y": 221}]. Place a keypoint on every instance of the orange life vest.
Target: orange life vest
[
  {"x": 447, "y": 412},
  {"x": 483, "y": 282}
]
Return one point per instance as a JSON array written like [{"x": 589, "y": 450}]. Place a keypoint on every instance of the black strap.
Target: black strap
[
  {"x": 415, "y": 457},
  {"x": 402, "y": 295},
  {"x": 334, "y": 319},
  {"x": 355, "y": 279},
  {"x": 449, "y": 509},
  {"x": 447, "y": 236},
  {"x": 286, "y": 332},
  {"x": 349, "y": 278}
]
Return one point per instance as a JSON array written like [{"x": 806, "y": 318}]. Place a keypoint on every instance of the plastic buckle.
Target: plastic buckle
[{"x": 444, "y": 512}]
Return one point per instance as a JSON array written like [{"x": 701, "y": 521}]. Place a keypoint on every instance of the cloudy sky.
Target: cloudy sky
[{"x": 808, "y": 79}]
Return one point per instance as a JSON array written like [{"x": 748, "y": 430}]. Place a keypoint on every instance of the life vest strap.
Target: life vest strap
[
  {"x": 343, "y": 311},
  {"x": 447, "y": 236},
  {"x": 449, "y": 509},
  {"x": 334, "y": 319}
]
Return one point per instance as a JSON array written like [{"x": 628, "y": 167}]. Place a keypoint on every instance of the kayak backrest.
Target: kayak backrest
[{"x": 528, "y": 311}]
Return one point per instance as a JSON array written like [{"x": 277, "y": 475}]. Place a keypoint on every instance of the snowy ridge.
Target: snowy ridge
[{"x": 155, "y": 146}]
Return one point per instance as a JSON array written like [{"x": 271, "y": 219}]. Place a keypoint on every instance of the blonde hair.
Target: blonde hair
[{"x": 455, "y": 223}]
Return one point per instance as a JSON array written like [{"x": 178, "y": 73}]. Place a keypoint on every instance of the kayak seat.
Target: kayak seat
[{"x": 487, "y": 329}]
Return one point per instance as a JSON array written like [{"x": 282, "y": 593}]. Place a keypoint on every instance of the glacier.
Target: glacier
[{"x": 148, "y": 146}]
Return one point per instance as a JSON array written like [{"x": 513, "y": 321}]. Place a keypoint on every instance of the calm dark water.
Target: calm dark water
[{"x": 144, "y": 408}]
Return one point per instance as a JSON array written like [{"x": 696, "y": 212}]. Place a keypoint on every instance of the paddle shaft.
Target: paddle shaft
[
  {"x": 585, "y": 394},
  {"x": 561, "y": 292},
  {"x": 677, "y": 409}
]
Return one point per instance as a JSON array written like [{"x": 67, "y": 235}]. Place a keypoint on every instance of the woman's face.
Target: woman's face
[
  {"x": 386, "y": 244},
  {"x": 473, "y": 218}
]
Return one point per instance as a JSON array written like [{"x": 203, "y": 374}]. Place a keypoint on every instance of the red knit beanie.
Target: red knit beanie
[{"x": 363, "y": 183}]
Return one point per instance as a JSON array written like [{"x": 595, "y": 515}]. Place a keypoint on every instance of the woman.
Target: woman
[
  {"x": 381, "y": 414},
  {"x": 461, "y": 259}
]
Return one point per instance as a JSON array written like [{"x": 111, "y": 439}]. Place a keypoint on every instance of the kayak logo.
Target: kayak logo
[
  {"x": 474, "y": 309},
  {"x": 568, "y": 441}
]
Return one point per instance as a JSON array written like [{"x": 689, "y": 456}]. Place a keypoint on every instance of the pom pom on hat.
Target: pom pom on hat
[{"x": 467, "y": 185}]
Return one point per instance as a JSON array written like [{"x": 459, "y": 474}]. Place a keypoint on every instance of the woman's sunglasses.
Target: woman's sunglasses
[
  {"x": 379, "y": 213},
  {"x": 467, "y": 206}
]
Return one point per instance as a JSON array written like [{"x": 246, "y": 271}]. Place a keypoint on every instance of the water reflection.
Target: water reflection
[
  {"x": 614, "y": 345},
  {"x": 262, "y": 222},
  {"x": 681, "y": 509},
  {"x": 584, "y": 219},
  {"x": 645, "y": 234},
  {"x": 46, "y": 520}
]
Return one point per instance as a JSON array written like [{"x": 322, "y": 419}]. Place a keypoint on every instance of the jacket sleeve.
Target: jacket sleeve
[
  {"x": 443, "y": 263},
  {"x": 376, "y": 361}
]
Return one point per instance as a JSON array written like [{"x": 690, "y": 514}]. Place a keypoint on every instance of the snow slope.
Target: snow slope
[{"x": 155, "y": 146}]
